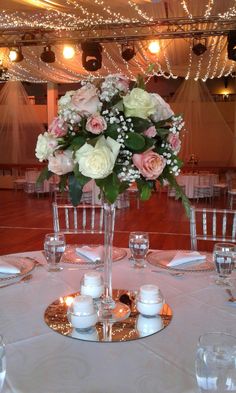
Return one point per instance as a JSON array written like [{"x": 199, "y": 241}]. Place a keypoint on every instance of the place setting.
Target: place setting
[{"x": 14, "y": 269}]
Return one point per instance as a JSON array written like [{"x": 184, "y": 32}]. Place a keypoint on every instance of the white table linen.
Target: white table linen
[
  {"x": 40, "y": 360},
  {"x": 192, "y": 180}
]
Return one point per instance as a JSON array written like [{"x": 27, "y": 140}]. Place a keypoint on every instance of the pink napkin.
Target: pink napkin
[
  {"x": 92, "y": 253},
  {"x": 7, "y": 268},
  {"x": 182, "y": 257}
]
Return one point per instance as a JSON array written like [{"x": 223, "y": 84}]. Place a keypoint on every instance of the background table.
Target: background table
[
  {"x": 42, "y": 361},
  {"x": 192, "y": 180}
]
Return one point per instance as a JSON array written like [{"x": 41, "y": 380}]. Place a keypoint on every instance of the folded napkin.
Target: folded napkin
[
  {"x": 182, "y": 257},
  {"x": 92, "y": 253},
  {"x": 7, "y": 268}
]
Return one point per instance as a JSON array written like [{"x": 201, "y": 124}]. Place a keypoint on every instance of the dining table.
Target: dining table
[{"x": 39, "y": 360}]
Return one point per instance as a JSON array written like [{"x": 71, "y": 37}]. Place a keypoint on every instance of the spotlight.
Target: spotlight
[
  {"x": 16, "y": 55},
  {"x": 199, "y": 48},
  {"x": 232, "y": 45},
  {"x": 68, "y": 52},
  {"x": 154, "y": 47},
  {"x": 47, "y": 56},
  {"x": 91, "y": 56},
  {"x": 127, "y": 52}
]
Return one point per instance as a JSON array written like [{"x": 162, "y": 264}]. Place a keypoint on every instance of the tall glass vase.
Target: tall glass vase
[{"x": 111, "y": 309}]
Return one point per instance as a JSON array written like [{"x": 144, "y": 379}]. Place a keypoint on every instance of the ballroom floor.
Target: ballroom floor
[{"x": 24, "y": 220}]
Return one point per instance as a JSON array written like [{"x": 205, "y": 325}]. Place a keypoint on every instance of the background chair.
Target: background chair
[
  {"x": 83, "y": 218},
  {"x": 212, "y": 225},
  {"x": 231, "y": 193},
  {"x": 204, "y": 189}
]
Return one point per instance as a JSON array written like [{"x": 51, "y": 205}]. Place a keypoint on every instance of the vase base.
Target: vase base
[{"x": 118, "y": 312}]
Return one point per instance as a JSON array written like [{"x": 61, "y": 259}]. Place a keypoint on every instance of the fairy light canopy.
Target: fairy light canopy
[{"x": 31, "y": 25}]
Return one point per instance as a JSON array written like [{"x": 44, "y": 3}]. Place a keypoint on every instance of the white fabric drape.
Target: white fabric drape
[
  {"x": 19, "y": 126},
  {"x": 207, "y": 134}
]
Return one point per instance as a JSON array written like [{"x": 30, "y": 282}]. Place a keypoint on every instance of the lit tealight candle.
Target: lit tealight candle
[
  {"x": 92, "y": 285},
  {"x": 82, "y": 314},
  {"x": 149, "y": 301}
]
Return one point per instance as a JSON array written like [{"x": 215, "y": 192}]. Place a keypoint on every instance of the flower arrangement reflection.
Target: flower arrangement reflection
[{"x": 113, "y": 134}]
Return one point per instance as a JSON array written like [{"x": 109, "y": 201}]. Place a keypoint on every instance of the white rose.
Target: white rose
[
  {"x": 61, "y": 163},
  {"x": 98, "y": 162},
  {"x": 162, "y": 110},
  {"x": 64, "y": 101},
  {"x": 139, "y": 103},
  {"x": 46, "y": 145}
]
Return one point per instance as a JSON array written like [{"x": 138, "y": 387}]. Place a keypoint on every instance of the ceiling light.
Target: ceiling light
[
  {"x": 48, "y": 56},
  {"x": 199, "y": 48},
  {"x": 232, "y": 45},
  {"x": 16, "y": 55},
  {"x": 68, "y": 52},
  {"x": 127, "y": 51},
  {"x": 154, "y": 47},
  {"x": 91, "y": 56}
]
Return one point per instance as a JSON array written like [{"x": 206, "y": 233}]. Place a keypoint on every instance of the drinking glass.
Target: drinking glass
[
  {"x": 54, "y": 247},
  {"x": 139, "y": 245},
  {"x": 215, "y": 363},
  {"x": 2, "y": 362},
  {"x": 224, "y": 255}
]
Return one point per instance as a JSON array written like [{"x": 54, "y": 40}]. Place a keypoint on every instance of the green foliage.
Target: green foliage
[
  {"x": 145, "y": 189},
  {"x": 162, "y": 132},
  {"x": 134, "y": 141},
  {"x": 81, "y": 178},
  {"x": 140, "y": 125},
  {"x": 111, "y": 131},
  {"x": 179, "y": 193},
  {"x": 75, "y": 189},
  {"x": 110, "y": 187},
  {"x": 44, "y": 175}
]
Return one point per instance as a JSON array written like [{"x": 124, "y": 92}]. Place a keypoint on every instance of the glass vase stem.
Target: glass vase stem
[{"x": 109, "y": 219}]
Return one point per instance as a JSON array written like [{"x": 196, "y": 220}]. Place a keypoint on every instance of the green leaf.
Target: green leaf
[
  {"x": 78, "y": 141},
  {"x": 44, "y": 175},
  {"x": 134, "y": 141},
  {"x": 150, "y": 68},
  {"x": 109, "y": 187},
  {"x": 140, "y": 82},
  {"x": 162, "y": 132},
  {"x": 140, "y": 125},
  {"x": 63, "y": 183},
  {"x": 75, "y": 190},
  {"x": 145, "y": 189},
  {"x": 81, "y": 178},
  {"x": 112, "y": 131}
]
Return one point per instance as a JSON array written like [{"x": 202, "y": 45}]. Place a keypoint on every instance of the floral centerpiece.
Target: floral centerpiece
[{"x": 114, "y": 134}]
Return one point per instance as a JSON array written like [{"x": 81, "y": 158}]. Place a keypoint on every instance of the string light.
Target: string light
[
  {"x": 209, "y": 8},
  {"x": 185, "y": 7}
]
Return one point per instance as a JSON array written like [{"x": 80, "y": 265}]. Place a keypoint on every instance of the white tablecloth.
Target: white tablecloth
[
  {"x": 42, "y": 361},
  {"x": 190, "y": 181}
]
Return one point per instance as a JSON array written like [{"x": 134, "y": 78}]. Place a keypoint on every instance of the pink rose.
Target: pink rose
[
  {"x": 57, "y": 128},
  {"x": 150, "y": 132},
  {"x": 96, "y": 124},
  {"x": 86, "y": 101},
  {"x": 150, "y": 164},
  {"x": 174, "y": 142},
  {"x": 61, "y": 163},
  {"x": 122, "y": 83}
]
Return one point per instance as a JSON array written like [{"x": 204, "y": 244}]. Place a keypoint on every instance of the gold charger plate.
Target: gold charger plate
[
  {"x": 70, "y": 255},
  {"x": 161, "y": 258},
  {"x": 24, "y": 264},
  {"x": 134, "y": 327}
]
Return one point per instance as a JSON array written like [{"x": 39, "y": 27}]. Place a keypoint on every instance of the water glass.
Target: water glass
[
  {"x": 215, "y": 363},
  {"x": 2, "y": 362},
  {"x": 139, "y": 245},
  {"x": 224, "y": 255},
  {"x": 54, "y": 247}
]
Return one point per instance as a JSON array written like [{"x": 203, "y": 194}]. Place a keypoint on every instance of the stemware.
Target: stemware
[
  {"x": 54, "y": 247},
  {"x": 224, "y": 255},
  {"x": 215, "y": 363},
  {"x": 2, "y": 363},
  {"x": 139, "y": 246}
]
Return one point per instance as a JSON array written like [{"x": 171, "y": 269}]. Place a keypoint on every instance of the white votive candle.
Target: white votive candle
[
  {"x": 92, "y": 285},
  {"x": 82, "y": 314},
  {"x": 149, "y": 300}
]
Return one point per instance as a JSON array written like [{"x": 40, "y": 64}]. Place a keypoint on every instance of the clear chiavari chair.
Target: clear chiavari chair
[{"x": 212, "y": 225}]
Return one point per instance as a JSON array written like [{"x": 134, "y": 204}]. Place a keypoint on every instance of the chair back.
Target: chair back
[
  {"x": 212, "y": 224},
  {"x": 83, "y": 218}
]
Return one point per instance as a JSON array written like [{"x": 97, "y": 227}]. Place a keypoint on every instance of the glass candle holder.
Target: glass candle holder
[
  {"x": 81, "y": 313},
  {"x": 149, "y": 300},
  {"x": 92, "y": 285}
]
